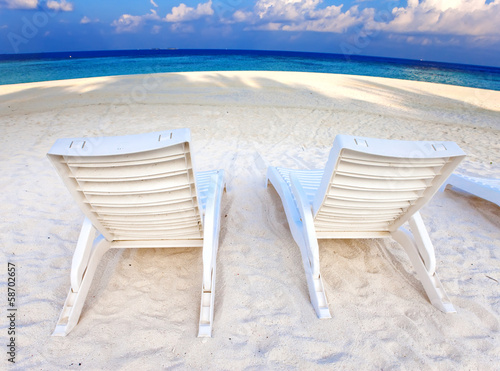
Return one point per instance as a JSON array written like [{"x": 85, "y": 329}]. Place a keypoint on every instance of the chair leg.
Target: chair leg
[
  {"x": 82, "y": 253},
  {"x": 76, "y": 297},
  {"x": 210, "y": 246},
  {"x": 309, "y": 250},
  {"x": 300, "y": 221},
  {"x": 314, "y": 284},
  {"x": 419, "y": 248}
]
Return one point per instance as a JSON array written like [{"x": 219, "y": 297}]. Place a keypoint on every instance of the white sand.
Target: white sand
[{"x": 143, "y": 306}]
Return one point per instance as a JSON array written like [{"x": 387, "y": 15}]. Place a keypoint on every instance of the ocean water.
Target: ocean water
[{"x": 20, "y": 68}]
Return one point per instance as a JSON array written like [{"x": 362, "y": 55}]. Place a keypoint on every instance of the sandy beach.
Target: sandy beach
[{"x": 143, "y": 307}]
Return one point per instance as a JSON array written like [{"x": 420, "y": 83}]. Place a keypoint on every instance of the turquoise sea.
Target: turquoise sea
[{"x": 20, "y": 68}]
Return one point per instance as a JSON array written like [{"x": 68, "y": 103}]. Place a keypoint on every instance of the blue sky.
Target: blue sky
[{"x": 462, "y": 31}]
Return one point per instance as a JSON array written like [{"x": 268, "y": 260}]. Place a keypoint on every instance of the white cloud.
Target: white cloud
[
  {"x": 131, "y": 23},
  {"x": 62, "y": 5},
  {"x": 271, "y": 26},
  {"x": 86, "y": 20},
  {"x": 242, "y": 16},
  {"x": 331, "y": 19},
  {"x": 19, "y": 4},
  {"x": 425, "y": 18},
  {"x": 447, "y": 17},
  {"x": 283, "y": 10},
  {"x": 181, "y": 13},
  {"x": 184, "y": 13},
  {"x": 302, "y": 15},
  {"x": 127, "y": 23},
  {"x": 432, "y": 17}
]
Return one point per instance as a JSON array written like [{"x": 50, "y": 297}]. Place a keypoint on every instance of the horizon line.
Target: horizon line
[{"x": 175, "y": 49}]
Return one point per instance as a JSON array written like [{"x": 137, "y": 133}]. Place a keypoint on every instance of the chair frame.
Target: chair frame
[
  {"x": 96, "y": 239},
  {"x": 485, "y": 188},
  {"x": 301, "y": 208}
]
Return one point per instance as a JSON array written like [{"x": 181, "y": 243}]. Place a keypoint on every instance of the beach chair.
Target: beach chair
[
  {"x": 486, "y": 188},
  {"x": 138, "y": 191},
  {"x": 368, "y": 189}
]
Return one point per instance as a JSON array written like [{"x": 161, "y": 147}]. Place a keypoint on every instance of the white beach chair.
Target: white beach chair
[
  {"x": 488, "y": 189},
  {"x": 138, "y": 191},
  {"x": 369, "y": 189}
]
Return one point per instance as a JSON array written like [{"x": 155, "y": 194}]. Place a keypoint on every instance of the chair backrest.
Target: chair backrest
[
  {"x": 375, "y": 185},
  {"x": 134, "y": 187}
]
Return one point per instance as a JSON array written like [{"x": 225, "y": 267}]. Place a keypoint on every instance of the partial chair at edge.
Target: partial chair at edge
[
  {"x": 485, "y": 188},
  {"x": 369, "y": 189},
  {"x": 138, "y": 191}
]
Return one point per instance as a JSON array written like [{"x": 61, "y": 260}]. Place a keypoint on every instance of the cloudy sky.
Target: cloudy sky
[{"x": 462, "y": 31}]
